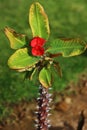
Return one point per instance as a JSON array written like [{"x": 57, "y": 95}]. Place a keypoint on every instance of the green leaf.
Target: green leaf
[
  {"x": 30, "y": 74},
  {"x": 38, "y": 21},
  {"x": 58, "y": 68},
  {"x": 21, "y": 60},
  {"x": 16, "y": 40},
  {"x": 67, "y": 48},
  {"x": 33, "y": 73},
  {"x": 45, "y": 77}
]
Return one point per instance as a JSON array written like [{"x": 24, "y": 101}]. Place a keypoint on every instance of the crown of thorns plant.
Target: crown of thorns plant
[{"x": 38, "y": 54}]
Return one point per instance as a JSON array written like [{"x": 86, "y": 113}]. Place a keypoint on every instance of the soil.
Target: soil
[{"x": 69, "y": 110}]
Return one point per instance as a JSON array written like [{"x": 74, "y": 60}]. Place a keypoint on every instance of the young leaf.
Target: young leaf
[
  {"x": 33, "y": 73},
  {"x": 16, "y": 40},
  {"x": 58, "y": 68},
  {"x": 38, "y": 21},
  {"x": 67, "y": 47},
  {"x": 30, "y": 74},
  {"x": 21, "y": 60},
  {"x": 45, "y": 77}
]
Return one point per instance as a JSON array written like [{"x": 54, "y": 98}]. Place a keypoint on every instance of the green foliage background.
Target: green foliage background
[{"x": 67, "y": 19}]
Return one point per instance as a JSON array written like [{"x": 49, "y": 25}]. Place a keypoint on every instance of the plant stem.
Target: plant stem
[{"x": 43, "y": 109}]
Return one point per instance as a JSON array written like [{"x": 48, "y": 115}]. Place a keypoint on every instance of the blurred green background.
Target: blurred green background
[{"x": 68, "y": 18}]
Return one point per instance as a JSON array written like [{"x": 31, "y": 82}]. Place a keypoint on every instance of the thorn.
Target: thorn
[
  {"x": 41, "y": 127},
  {"x": 36, "y": 125},
  {"x": 49, "y": 114},
  {"x": 49, "y": 95},
  {"x": 36, "y": 120},
  {"x": 44, "y": 92},
  {"x": 50, "y": 100},
  {"x": 47, "y": 110},
  {"x": 49, "y": 126},
  {"x": 36, "y": 112},
  {"x": 38, "y": 98},
  {"x": 43, "y": 104},
  {"x": 43, "y": 100},
  {"x": 42, "y": 118}
]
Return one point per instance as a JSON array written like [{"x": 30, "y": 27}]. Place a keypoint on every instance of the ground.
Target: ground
[{"x": 66, "y": 111}]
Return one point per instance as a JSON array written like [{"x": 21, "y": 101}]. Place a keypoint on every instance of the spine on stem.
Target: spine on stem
[{"x": 42, "y": 122}]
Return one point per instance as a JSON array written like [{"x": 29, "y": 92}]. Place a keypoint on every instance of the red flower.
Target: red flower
[
  {"x": 37, "y": 44},
  {"x": 37, "y": 51},
  {"x": 37, "y": 41}
]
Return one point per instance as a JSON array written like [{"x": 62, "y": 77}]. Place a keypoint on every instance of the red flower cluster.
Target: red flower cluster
[{"x": 37, "y": 44}]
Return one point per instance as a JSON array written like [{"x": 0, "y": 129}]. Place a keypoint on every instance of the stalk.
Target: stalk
[{"x": 42, "y": 122}]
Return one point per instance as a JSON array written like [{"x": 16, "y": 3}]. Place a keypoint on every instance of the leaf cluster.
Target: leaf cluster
[{"x": 23, "y": 61}]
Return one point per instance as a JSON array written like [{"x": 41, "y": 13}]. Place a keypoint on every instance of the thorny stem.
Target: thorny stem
[{"x": 42, "y": 122}]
